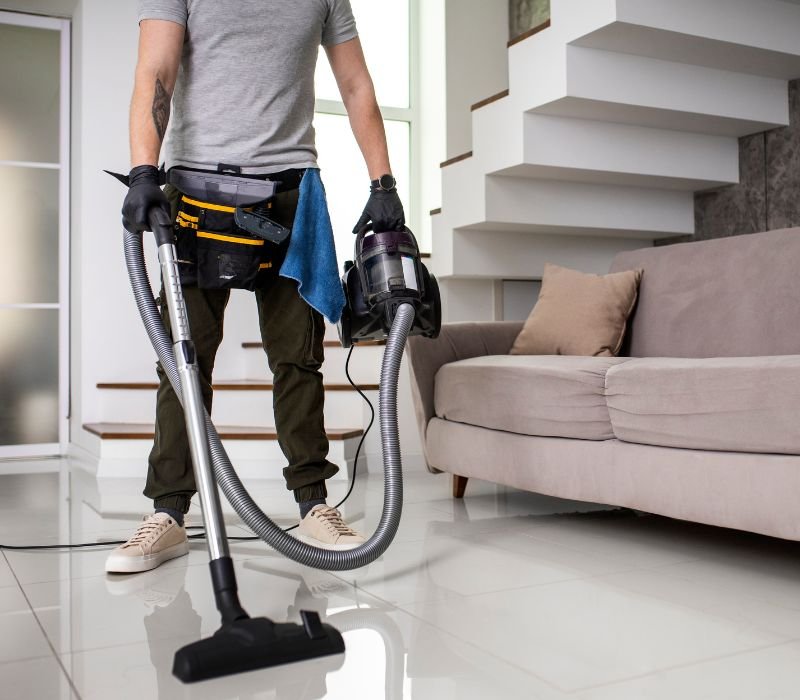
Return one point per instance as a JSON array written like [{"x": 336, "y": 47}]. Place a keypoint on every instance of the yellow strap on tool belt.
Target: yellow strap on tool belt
[
  {"x": 186, "y": 221},
  {"x": 229, "y": 239},
  {"x": 193, "y": 222},
  {"x": 207, "y": 205}
]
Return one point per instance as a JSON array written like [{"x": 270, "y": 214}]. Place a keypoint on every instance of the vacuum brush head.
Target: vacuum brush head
[{"x": 254, "y": 643}]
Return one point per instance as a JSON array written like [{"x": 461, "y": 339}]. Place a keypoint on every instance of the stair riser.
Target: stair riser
[
  {"x": 442, "y": 242},
  {"x": 252, "y": 459},
  {"x": 571, "y": 19},
  {"x": 342, "y": 408},
  {"x": 630, "y": 89},
  {"x": 639, "y": 155},
  {"x": 734, "y": 35},
  {"x": 463, "y": 197},
  {"x": 727, "y": 103},
  {"x": 507, "y": 203},
  {"x": 511, "y": 255},
  {"x": 519, "y": 201},
  {"x": 498, "y": 132},
  {"x": 531, "y": 87},
  {"x": 508, "y": 142},
  {"x": 365, "y": 365}
]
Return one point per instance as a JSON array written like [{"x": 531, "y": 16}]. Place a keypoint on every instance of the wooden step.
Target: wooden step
[
  {"x": 143, "y": 431},
  {"x": 232, "y": 385},
  {"x": 256, "y": 345},
  {"x": 456, "y": 159},
  {"x": 489, "y": 100},
  {"x": 527, "y": 35}
]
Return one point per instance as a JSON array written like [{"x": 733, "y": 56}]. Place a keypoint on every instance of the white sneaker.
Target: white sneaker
[
  {"x": 158, "y": 539},
  {"x": 323, "y": 527}
]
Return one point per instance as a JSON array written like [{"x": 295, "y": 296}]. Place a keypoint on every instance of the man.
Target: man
[{"x": 235, "y": 83}]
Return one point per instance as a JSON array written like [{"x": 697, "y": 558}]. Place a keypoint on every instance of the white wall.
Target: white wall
[
  {"x": 477, "y": 63},
  {"x": 466, "y": 300},
  {"x": 519, "y": 297},
  {"x": 432, "y": 113},
  {"x": 108, "y": 339}
]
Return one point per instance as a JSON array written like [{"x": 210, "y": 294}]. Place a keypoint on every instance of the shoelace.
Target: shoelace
[
  {"x": 147, "y": 531},
  {"x": 332, "y": 519}
]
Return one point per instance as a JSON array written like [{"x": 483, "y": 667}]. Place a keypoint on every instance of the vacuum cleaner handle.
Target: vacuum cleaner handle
[
  {"x": 160, "y": 226},
  {"x": 362, "y": 232}
]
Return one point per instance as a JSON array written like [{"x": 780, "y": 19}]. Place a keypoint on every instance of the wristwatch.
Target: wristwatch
[{"x": 387, "y": 183}]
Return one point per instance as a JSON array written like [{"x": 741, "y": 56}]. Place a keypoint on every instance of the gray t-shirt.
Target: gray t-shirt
[{"x": 245, "y": 89}]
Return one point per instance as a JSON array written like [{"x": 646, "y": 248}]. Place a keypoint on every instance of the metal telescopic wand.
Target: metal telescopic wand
[{"x": 191, "y": 397}]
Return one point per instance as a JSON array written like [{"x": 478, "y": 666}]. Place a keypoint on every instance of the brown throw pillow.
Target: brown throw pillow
[{"x": 579, "y": 313}]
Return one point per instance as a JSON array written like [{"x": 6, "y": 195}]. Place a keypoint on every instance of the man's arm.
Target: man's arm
[
  {"x": 160, "y": 47},
  {"x": 358, "y": 95},
  {"x": 384, "y": 208}
]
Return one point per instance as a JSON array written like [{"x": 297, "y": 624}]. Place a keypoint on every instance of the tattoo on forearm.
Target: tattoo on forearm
[{"x": 161, "y": 102}]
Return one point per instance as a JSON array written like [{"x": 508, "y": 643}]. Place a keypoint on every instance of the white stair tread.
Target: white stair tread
[
  {"x": 146, "y": 431},
  {"x": 230, "y": 385}
]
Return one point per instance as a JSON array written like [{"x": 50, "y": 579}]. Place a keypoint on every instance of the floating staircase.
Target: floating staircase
[
  {"x": 122, "y": 439},
  {"x": 616, "y": 113}
]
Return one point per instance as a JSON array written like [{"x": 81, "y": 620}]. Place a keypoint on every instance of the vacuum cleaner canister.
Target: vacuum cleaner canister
[{"x": 386, "y": 273}]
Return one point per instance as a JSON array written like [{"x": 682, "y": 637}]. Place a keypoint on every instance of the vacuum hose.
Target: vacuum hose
[{"x": 226, "y": 477}]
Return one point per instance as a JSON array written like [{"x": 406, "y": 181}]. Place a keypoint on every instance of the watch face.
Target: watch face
[{"x": 387, "y": 182}]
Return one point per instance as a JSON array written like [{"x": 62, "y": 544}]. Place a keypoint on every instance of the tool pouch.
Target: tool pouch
[{"x": 213, "y": 251}]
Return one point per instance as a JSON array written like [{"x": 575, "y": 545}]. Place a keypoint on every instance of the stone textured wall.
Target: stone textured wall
[
  {"x": 783, "y": 168},
  {"x": 768, "y": 194},
  {"x": 526, "y": 14}
]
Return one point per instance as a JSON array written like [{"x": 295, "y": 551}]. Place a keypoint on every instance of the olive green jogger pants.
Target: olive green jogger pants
[{"x": 292, "y": 335}]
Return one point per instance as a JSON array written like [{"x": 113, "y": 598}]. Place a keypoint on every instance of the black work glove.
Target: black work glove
[
  {"x": 144, "y": 194},
  {"x": 384, "y": 209}
]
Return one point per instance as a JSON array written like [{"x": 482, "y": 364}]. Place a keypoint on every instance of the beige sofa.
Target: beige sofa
[{"x": 697, "y": 419}]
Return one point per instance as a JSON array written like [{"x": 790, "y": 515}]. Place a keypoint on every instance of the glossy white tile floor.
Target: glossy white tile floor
[{"x": 504, "y": 595}]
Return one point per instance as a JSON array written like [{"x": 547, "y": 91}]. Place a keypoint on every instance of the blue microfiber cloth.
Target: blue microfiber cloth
[{"x": 311, "y": 257}]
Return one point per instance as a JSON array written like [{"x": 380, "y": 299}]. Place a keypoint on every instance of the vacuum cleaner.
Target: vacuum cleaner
[{"x": 391, "y": 295}]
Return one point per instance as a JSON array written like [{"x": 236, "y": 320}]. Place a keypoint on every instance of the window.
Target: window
[{"x": 389, "y": 58}]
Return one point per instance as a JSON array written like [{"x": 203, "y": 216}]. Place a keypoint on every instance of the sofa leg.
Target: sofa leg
[{"x": 459, "y": 485}]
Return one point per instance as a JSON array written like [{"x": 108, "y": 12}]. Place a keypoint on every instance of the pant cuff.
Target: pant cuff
[
  {"x": 311, "y": 492},
  {"x": 309, "y": 475},
  {"x": 178, "y": 501}
]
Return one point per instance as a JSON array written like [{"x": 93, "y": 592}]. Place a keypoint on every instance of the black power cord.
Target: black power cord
[{"x": 202, "y": 535}]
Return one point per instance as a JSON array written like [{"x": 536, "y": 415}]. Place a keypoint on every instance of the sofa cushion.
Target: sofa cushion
[
  {"x": 726, "y": 297},
  {"x": 740, "y": 404},
  {"x": 579, "y": 313},
  {"x": 545, "y": 395}
]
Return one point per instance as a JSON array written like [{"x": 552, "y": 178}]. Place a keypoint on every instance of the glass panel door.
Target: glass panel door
[{"x": 34, "y": 199}]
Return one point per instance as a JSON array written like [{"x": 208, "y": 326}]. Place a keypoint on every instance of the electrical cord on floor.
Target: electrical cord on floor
[{"x": 201, "y": 535}]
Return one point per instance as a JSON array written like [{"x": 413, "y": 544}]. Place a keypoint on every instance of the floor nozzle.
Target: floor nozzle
[{"x": 255, "y": 643}]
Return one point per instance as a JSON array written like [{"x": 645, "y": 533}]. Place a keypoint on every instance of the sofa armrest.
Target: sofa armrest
[{"x": 457, "y": 341}]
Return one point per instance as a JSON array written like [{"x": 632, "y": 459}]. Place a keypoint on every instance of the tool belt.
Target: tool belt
[{"x": 225, "y": 238}]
